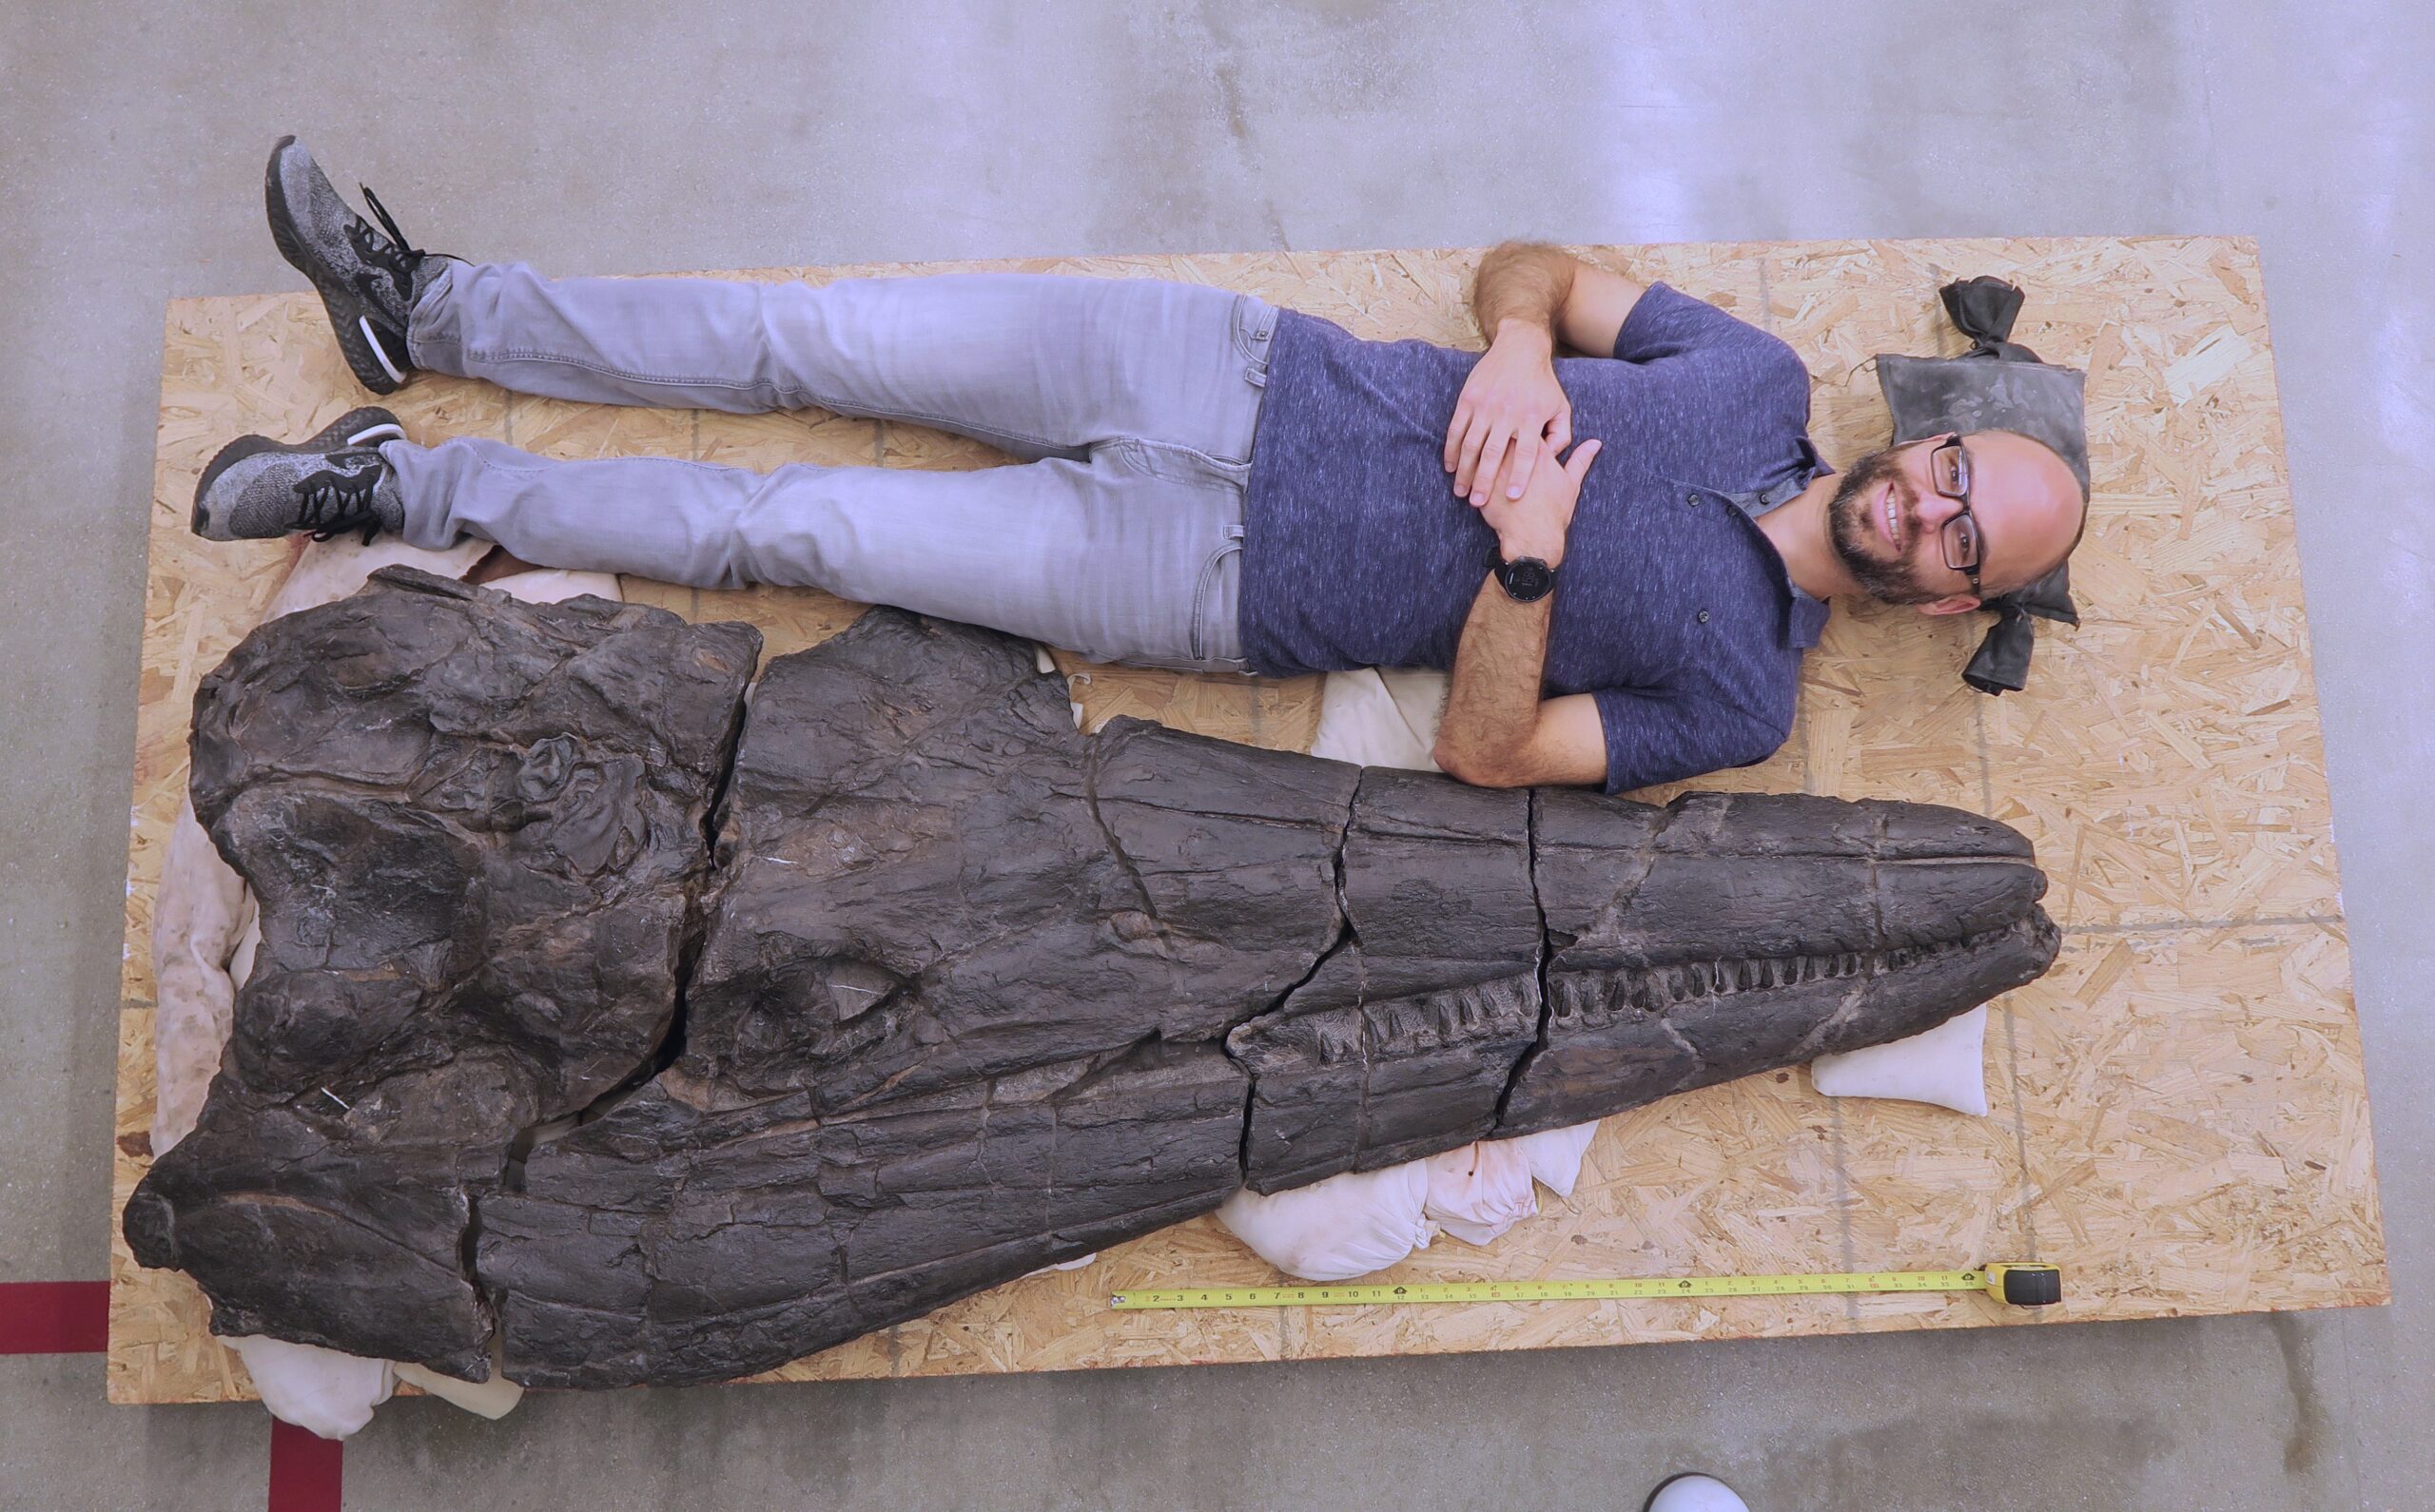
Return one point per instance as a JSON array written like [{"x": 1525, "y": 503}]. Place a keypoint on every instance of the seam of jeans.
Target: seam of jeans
[
  {"x": 488, "y": 466},
  {"x": 630, "y": 375},
  {"x": 1053, "y": 450},
  {"x": 806, "y": 398},
  {"x": 1200, "y": 638}
]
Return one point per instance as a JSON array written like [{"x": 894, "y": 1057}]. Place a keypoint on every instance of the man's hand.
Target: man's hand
[
  {"x": 1497, "y": 731},
  {"x": 1524, "y": 298},
  {"x": 1536, "y": 522},
  {"x": 1510, "y": 403}
]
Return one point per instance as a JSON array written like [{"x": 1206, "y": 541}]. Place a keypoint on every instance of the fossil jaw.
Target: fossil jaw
[{"x": 1724, "y": 933}]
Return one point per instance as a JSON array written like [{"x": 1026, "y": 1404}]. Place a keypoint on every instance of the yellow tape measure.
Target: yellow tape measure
[{"x": 2021, "y": 1284}]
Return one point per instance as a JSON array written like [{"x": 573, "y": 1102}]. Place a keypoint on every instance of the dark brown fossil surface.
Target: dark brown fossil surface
[
  {"x": 956, "y": 991},
  {"x": 476, "y": 831}
]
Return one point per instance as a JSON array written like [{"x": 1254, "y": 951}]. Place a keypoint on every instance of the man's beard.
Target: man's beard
[{"x": 1851, "y": 524}]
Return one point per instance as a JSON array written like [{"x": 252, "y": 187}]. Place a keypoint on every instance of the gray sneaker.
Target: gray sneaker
[
  {"x": 336, "y": 481},
  {"x": 369, "y": 276}
]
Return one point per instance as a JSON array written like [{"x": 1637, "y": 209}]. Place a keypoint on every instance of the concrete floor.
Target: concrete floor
[{"x": 645, "y": 136}]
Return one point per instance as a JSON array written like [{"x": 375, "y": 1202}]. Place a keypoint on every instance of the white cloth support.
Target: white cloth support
[
  {"x": 1555, "y": 1155},
  {"x": 318, "y": 1389},
  {"x": 240, "y": 962},
  {"x": 1351, "y": 1225},
  {"x": 198, "y": 918},
  {"x": 1337, "y": 1229},
  {"x": 330, "y": 571},
  {"x": 1478, "y": 1192},
  {"x": 1075, "y": 1264},
  {"x": 551, "y": 585},
  {"x": 494, "y": 1399},
  {"x": 1946, "y": 1066},
  {"x": 1381, "y": 718}
]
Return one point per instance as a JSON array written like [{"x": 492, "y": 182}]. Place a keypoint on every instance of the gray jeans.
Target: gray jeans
[{"x": 1133, "y": 402}]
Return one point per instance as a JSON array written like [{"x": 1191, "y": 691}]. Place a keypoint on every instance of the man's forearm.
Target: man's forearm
[
  {"x": 1492, "y": 708},
  {"x": 1523, "y": 282}
]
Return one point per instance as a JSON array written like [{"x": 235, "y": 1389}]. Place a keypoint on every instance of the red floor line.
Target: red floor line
[
  {"x": 305, "y": 1470},
  {"x": 54, "y": 1317},
  {"x": 74, "y": 1317}
]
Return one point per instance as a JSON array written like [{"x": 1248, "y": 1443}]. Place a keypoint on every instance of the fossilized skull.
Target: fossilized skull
[{"x": 534, "y": 1064}]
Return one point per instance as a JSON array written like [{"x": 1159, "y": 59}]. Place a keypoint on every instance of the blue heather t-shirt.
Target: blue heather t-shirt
[{"x": 1671, "y": 608}]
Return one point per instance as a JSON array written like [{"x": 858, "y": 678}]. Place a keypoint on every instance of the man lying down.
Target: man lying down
[{"x": 1209, "y": 483}]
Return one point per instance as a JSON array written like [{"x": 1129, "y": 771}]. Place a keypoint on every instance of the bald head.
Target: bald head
[{"x": 2030, "y": 508}]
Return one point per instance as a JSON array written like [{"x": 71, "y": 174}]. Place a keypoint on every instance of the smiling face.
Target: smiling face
[{"x": 1886, "y": 520}]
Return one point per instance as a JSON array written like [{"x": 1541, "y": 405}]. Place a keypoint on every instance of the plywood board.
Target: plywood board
[{"x": 2180, "y": 1109}]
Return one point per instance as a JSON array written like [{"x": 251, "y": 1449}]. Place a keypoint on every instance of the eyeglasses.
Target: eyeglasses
[{"x": 1949, "y": 472}]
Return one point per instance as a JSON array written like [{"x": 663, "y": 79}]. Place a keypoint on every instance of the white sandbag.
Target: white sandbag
[
  {"x": 240, "y": 962},
  {"x": 1064, "y": 1265},
  {"x": 1947, "y": 1066},
  {"x": 1334, "y": 1230},
  {"x": 1554, "y": 1155},
  {"x": 318, "y": 1389},
  {"x": 1381, "y": 718},
  {"x": 551, "y": 585},
  {"x": 1349, "y": 1226},
  {"x": 492, "y": 1399},
  {"x": 1478, "y": 1192},
  {"x": 330, "y": 571},
  {"x": 198, "y": 917}
]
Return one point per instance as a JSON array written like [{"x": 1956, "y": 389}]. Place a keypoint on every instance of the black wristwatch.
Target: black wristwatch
[{"x": 1525, "y": 579}]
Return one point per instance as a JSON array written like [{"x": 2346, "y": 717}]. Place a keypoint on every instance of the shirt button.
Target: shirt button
[
  {"x": 1692, "y": 499},
  {"x": 1704, "y": 616}
]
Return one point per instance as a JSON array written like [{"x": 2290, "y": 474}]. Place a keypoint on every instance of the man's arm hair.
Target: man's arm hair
[
  {"x": 1497, "y": 731},
  {"x": 1581, "y": 303}
]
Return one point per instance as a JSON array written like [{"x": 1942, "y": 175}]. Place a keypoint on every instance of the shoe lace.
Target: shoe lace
[
  {"x": 388, "y": 222},
  {"x": 393, "y": 253},
  {"x": 331, "y": 502}
]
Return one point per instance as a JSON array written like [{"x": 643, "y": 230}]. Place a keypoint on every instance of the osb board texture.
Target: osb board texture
[{"x": 2180, "y": 1111}]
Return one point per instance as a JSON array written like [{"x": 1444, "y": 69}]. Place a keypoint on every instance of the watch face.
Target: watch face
[{"x": 1525, "y": 579}]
